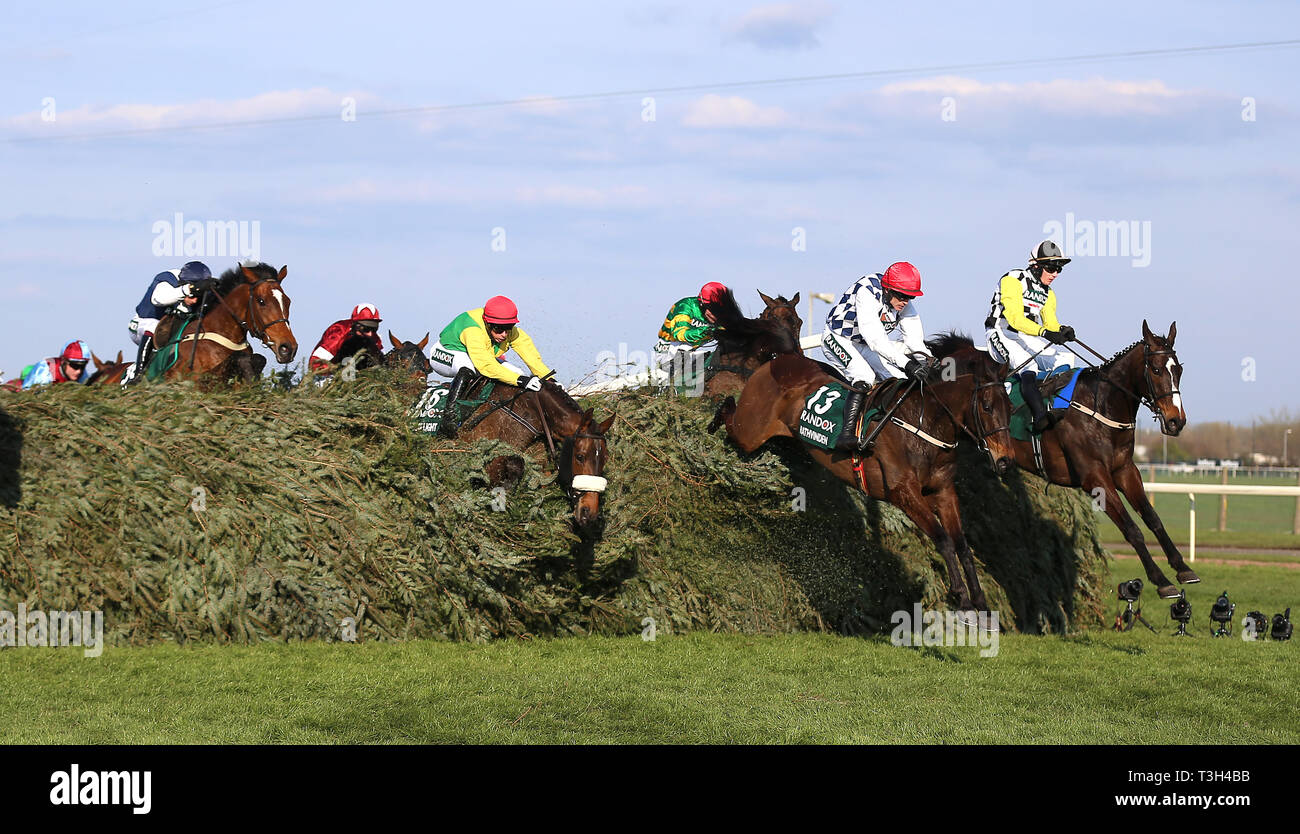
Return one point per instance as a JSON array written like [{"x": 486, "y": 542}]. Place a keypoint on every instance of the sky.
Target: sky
[{"x": 598, "y": 161}]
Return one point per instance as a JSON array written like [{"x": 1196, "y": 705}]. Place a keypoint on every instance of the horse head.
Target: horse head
[
  {"x": 1162, "y": 373},
  {"x": 409, "y": 356},
  {"x": 267, "y": 309},
  {"x": 583, "y": 456},
  {"x": 984, "y": 409},
  {"x": 783, "y": 312}
]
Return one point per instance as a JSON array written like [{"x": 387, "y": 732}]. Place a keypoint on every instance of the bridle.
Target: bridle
[
  {"x": 1150, "y": 399},
  {"x": 260, "y": 333},
  {"x": 980, "y": 435}
]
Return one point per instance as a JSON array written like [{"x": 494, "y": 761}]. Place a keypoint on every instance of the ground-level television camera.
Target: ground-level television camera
[
  {"x": 1180, "y": 611},
  {"x": 1128, "y": 593},
  {"x": 1221, "y": 613},
  {"x": 1282, "y": 626}
]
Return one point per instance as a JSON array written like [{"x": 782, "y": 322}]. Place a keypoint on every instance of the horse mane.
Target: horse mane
[
  {"x": 234, "y": 276},
  {"x": 1105, "y": 366},
  {"x": 563, "y": 396},
  {"x": 736, "y": 333},
  {"x": 946, "y": 344}
]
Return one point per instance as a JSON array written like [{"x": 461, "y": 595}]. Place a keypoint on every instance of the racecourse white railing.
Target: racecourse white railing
[{"x": 1192, "y": 490}]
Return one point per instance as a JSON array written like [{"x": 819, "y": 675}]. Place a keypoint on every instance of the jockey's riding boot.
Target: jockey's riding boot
[
  {"x": 136, "y": 372},
  {"x": 449, "y": 410},
  {"x": 1043, "y": 419},
  {"x": 849, "y": 441}
]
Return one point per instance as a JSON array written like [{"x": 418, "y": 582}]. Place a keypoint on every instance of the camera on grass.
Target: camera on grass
[
  {"x": 1282, "y": 626},
  {"x": 1221, "y": 613}
]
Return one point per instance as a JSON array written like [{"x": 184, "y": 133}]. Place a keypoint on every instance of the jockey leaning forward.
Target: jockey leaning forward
[
  {"x": 68, "y": 366},
  {"x": 687, "y": 333},
  {"x": 874, "y": 332},
  {"x": 478, "y": 340},
  {"x": 346, "y": 338},
  {"x": 172, "y": 292}
]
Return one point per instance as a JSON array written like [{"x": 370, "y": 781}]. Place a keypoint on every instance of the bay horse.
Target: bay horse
[
  {"x": 407, "y": 356},
  {"x": 575, "y": 441},
  {"x": 1092, "y": 446},
  {"x": 250, "y": 300},
  {"x": 107, "y": 373},
  {"x": 735, "y": 359},
  {"x": 913, "y": 464}
]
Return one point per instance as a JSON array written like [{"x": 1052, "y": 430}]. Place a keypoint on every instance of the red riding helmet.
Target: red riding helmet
[
  {"x": 77, "y": 351},
  {"x": 711, "y": 292},
  {"x": 902, "y": 278},
  {"x": 500, "y": 310},
  {"x": 365, "y": 312}
]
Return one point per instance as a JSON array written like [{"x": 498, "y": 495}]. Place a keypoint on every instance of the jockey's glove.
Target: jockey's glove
[
  {"x": 917, "y": 370},
  {"x": 531, "y": 383},
  {"x": 1057, "y": 337},
  {"x": 1067, "y": 332},
  {"x": 202, "y": 285}
]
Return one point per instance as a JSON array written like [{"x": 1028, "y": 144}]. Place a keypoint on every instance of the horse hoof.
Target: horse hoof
[
  {"x": 968, "y": 617},
  {"x": 1188, "y": 577},
  {"x": 1168, "y": 592}
]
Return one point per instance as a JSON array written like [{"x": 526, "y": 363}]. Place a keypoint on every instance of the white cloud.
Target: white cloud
[
  {"x": 275, "y": 104},
  {"x": 731, "y": 111},
  {"x": 782, "y": 25},
  {"x": 432, "y": 192},
  {"x": 1070, "y": 97}
]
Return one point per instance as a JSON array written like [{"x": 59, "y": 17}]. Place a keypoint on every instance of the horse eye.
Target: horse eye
[
  {"x": 1157, "y": 369},
  {"x": 261, "y": 301}
]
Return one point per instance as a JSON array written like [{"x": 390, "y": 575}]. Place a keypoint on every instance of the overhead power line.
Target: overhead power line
[{"x": 1059, "y": 60}]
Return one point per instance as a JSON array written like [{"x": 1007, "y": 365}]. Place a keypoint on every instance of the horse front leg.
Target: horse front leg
[
  {"x": 1100, "y": 479},
  {"x": 907, "y": 497},
  {"x": 1129, "y": 481},
  {"x": 949, "y": 512}
]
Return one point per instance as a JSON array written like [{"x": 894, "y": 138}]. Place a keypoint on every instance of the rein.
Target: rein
[{"x": 1148, "y": 401}]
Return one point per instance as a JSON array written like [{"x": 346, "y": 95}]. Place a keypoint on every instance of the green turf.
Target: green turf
[
  {"x": 1097, "y": 687},
  {"x": 1252, "y": 520}
]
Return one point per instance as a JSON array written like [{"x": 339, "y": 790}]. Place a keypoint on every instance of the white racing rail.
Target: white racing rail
[{"x": 1192, "y": 490}]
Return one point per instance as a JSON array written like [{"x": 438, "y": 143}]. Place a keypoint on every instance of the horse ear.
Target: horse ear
[
  {"x": 119, "y": 358},
  {"x": 795, "y": 300},
  {"x": 588, "y": 416},
  {"x": 766, "y": 300},
  {"x": 1173, "y": 331},
  {"x": 95, "y": 359},
  {"x": 397, "y": 343},
  {"x": 423, "y": 343},
  {"x": 1146, "y": 331},
  {"x": 604, "y": 427},
  {"x": 284, "y": 271}
]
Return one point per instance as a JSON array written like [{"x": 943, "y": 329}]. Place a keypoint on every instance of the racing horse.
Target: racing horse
[
  {"x": 250, "y": 300},
  {"x": 735, "y": 359},
  {"x": 575, "y": 441},
  {"x": 107, "y": 372},
  {"x": 913, "y": 464},
  {"x": 1092, "y": 446},
  {"x": 406, "y": 356}
]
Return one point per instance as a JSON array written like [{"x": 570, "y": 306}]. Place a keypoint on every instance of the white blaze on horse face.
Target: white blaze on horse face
[
  {"x": 279, "y": 299},
  {"x": 1178, "y": 398}
]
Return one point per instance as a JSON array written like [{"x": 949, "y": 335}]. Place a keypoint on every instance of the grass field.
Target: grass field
[
  {"x": 1098, "y": 687},
  {"x": 1253, "y": 520}
]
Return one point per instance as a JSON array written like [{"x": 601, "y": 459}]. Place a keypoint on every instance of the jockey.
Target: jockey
[
  {"x": 875, "y": 332},
  {"x": 479, "y": 339},
  {"x": 687, "y": 331},
  {"x": 345, "y": 338},
  {"x": 68, "y": 366},
  {"x": 1022, "y": 322},
  {"x": 172, "y": 291}
]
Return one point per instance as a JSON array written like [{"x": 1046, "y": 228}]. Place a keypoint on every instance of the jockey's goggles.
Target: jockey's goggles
[
  {"x": 77, "y": 363},
  {"x": 1054, "y": 267},
  {"x": 498, "y": 327},
  {"x": 366, "y": 324}
]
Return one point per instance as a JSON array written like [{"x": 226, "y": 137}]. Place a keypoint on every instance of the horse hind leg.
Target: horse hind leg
[{"x": 1129, "y": 481}]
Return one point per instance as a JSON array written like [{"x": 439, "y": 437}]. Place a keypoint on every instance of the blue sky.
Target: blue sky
[{"x": 609, "y": 218}]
